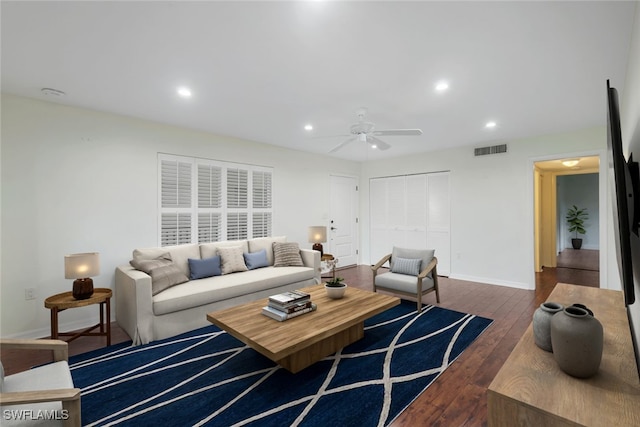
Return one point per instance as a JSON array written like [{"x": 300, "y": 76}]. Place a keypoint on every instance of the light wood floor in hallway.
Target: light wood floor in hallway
[{"x": 458, "y": 396}]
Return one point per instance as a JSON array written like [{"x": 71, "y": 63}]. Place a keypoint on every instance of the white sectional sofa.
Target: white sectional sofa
[{"x": 149, "y": 309}]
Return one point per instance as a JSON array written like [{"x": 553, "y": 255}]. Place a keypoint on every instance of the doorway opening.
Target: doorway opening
[{"x": 559, "y": 185}]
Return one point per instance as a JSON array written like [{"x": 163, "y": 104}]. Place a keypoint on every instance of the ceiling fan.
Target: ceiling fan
[{"x": 364, "y": 131}]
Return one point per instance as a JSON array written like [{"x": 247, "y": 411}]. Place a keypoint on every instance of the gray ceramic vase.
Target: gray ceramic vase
[
  {"x": 577, "y": 339},
  {"x": 542, "y": 324}
]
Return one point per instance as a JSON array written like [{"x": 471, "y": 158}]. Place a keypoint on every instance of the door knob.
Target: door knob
[{"x": 334, "y": 228}]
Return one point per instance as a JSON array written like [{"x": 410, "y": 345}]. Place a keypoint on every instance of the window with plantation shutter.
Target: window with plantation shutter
[{"x": 205, "y": 200}]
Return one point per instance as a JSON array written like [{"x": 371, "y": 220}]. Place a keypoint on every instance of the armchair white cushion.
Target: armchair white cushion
[
  {"x": 412, "y": 272},
  {"x": 44, "y": 395}
]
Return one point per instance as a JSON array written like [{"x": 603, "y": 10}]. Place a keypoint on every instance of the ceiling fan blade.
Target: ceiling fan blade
[
  {"x": 399, "y": 132},
  {"x": 379, "y": 144},
  {"x": 329, "y": 136},
  {"x": 342, "y": 144}
]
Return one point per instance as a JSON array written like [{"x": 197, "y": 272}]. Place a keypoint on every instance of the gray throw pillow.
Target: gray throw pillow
[
  {"x": 287, "y": 255},
  {"x": 164, "y": 273},
  {"x": 406, "y": 266}
]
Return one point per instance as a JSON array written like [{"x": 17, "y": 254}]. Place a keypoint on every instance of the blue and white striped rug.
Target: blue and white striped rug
[{"x": 206, "y": 377}]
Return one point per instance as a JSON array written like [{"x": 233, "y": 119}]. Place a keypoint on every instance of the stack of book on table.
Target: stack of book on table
[{"x": 288, "y": 304}]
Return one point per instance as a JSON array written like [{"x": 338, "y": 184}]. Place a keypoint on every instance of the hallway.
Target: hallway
[{"x": 579, "y": 267}]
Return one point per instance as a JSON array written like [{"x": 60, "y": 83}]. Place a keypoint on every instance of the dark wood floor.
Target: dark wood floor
[
  {"x": 458, "y": 396},
  {"x": 582, "y": 267}
]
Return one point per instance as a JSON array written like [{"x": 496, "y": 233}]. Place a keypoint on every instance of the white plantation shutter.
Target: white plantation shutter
[
  {"x": 175, "y": 202},
  {"x": 209, "y": 227},
  {"x": 237, "y": 226},
  {"x": 261, "y": 224},
  {"x": 175, "y": 229},
  {"x": 176, "y": 184},
  {"x": 261, "y": 189},
  {"x": 209, "y": 186},
  {"x": 237, "y": 188},
  {"x": 208, "y": 201}
]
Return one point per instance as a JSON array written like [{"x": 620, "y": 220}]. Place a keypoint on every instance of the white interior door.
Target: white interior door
[{"x": 343, "y": 220}]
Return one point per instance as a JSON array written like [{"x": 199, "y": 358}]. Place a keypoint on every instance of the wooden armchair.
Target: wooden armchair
[
  {"x": 412, "y": 273},
  {"x": 44, "y": 391}
]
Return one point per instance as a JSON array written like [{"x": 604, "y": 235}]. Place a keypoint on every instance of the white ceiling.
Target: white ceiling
[{"x": 262, "y": 70}]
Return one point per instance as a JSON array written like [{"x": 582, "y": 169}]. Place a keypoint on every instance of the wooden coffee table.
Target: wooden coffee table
[{"x": 299, "y": 342}]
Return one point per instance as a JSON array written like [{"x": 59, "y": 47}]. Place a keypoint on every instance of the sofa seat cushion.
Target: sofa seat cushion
[
  {"x": 218, "y": 288},
  {"x": 400, "y": 282}
]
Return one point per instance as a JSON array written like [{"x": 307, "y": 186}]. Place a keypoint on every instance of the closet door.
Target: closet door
[
  {"x": 411, "y": 211},
  {"x": 439, "y": 220}
]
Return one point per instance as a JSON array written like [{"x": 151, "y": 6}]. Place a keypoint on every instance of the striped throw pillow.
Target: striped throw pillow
[
  {"x": 287, "y": 255},
  {"x": 406, "y": 266}
]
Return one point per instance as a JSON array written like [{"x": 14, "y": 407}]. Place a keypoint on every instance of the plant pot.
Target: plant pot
[
  {"x": 335, "y": 292},
  {"x": 576, "y": 243},
  {"x": 577, "y": 340},
  {"x": 542, "y": 324}
]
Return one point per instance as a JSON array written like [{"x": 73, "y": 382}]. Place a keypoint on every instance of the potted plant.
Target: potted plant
[
  {"x": 335, "y": 287},
  {"x": 576, "y": 218}
]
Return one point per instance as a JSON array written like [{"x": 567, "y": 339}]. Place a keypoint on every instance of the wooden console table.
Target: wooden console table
[{"x": 531, "y": 390}]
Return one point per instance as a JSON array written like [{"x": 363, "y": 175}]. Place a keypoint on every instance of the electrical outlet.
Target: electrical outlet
[{"x": 29, "y": 294}]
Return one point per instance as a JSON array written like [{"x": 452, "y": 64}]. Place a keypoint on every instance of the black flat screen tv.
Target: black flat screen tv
[{"x": 624, "y": 176}]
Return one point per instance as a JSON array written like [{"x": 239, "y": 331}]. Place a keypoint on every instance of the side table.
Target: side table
[{"x": 63, "y": 301}]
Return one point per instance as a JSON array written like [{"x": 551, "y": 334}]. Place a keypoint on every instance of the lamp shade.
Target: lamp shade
[
  {"x": 80, "y": 266},
  {"x": 317, "y": 234}
]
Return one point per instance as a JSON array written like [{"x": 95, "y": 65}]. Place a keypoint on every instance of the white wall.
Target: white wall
[
  {"x": 491, "y": 202},
  {"x": 75, "y": 180}
]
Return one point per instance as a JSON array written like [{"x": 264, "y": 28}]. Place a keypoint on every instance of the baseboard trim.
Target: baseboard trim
[
  {"x": 64, "y": 327},
  {"x": 492, "y": 281}
]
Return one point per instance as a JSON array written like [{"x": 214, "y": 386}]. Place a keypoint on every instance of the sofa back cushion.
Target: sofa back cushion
[
  {"x": 266, "y": 243},
  {"x": 180, "y": 255}
]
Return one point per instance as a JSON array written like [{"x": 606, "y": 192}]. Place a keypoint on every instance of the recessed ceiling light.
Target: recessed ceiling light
[
  {"x": 184, "y": 92},
  {"x": 308, "y": 127},
  {"x": 490, "y": 125},
  {"x": 442, "y": 86}
]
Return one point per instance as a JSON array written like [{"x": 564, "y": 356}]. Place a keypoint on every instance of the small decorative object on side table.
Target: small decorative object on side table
[
  {"x": 329, "y": 263},
  {"x": 63, "y": 301}
]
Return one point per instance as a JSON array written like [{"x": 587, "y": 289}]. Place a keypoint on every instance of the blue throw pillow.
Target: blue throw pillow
[
  {"x": 406, "y": 266},
  {"x": 201, "y": 268},
  {"x": 255, "y": 260}
]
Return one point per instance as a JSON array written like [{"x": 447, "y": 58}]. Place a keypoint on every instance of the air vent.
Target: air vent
[{"x": 494, "y": 149}]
